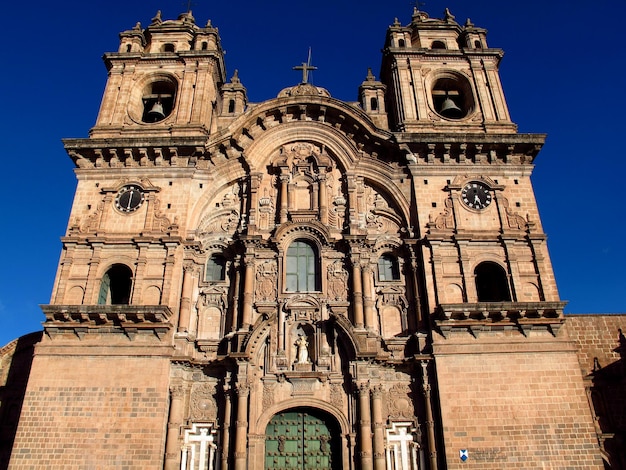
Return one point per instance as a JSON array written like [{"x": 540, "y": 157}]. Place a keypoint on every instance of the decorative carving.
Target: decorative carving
[
  {"x": 380, "y": 217},
  {"x": 336, "y": 395},
  {"x": 266, "y": 210},
  {"x": 399, "y": 403},
  {"x": 266, "y": 282},
  {"x": 268, "y": 394},
  {"x": 337, "y": 281},
  {"x": 160, "y": 222},
  {"x": 445, "y": 220},
  {"x": 202, "y": 403},
  {"x": 392, "y": 295},
  {"x": 514, "y": 220}
]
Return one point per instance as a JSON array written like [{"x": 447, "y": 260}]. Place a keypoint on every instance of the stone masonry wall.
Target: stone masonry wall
[
  {"x": 93, "y": 413},
  {"x": 601, "y": 346},
  {"x": 514, "y": 403},
  {"x": 597, "y": 337}
]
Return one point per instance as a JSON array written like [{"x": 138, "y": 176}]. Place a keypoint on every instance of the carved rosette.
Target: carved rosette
[{"x": 202, "y": 403}]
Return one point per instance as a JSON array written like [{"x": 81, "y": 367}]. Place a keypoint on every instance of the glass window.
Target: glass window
[
  {"x": 216, "y": 268},
  {"x": 302, "y": 267},
  {"x": 388, "y": 269}
]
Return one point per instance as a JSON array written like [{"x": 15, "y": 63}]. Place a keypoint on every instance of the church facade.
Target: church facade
[{"x": 311, "y": 283}]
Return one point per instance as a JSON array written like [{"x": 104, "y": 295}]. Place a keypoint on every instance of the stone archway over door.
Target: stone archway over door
[{"x": 302, "y": 438}]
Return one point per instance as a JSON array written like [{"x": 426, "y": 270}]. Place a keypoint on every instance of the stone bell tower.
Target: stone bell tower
[
  {"x": 163, "y": 81},
  {"x": 443, "y": 77}
]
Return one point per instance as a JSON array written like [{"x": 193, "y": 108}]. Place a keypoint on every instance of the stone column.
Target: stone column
[
  {"x": 357, "y": 292},
  {"x": 241, "y": 437},
  {"x": 416, "y": 287},
  {"x": 185, "y": 300},
  {"x": 226, "y": 428},
  {"x": 430, "y": 423},
  {"x": 172, "y": 446},
  {"x": 248, "y": 292},
  {"x": 379, "y": 428},
  {"x": 368, "y": 301},
  {"x": 234, "y": 307},
  {"x": 365, "y": 427},
  {"x": 284, "y": 179},
  {"x": 323, "y": 198}
]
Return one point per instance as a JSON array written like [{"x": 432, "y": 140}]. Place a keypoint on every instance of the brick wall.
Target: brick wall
[
  {"x": 93, "y": 413},
  {"x": 514, "y": 403}
]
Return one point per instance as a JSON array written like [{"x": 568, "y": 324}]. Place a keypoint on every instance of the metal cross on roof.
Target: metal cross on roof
[{"x": 305, "y": 67}]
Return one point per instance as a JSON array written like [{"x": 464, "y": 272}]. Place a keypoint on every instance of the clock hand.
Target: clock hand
[{"x": 130, "y": 199}]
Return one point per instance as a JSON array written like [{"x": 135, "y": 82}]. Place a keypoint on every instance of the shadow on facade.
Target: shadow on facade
[
  {"x": 608, "y": 389},
  {"x": 16, "y": 359}
]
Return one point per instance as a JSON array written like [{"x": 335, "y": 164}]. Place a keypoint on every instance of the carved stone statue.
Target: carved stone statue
[{"x": 303, "y": 352}]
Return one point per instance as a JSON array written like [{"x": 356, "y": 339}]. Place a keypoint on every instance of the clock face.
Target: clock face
[
  {"x": 476, "y": 195},
  {"x": 129, "y": 198}
]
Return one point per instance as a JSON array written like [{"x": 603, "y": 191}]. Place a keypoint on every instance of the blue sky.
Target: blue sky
[{"x": 563, "y": 74}]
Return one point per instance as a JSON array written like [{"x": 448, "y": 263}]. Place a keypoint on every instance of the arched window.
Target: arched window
[
  {"x": 491, "y": 283},
  {"x": 231, "y": 106},
  {"x": 477, "y": 44},
  {"x": 401, "y": 43},
  {"x": 374, "y": 104},
  {"x": 205, "y": 45},
  {"x": 128, "y": 47},
  {"x": 216, "y": 268},
  {"x": 438, "y": 45},
  {"x": 168, "y": 47},
  {"x": 115, "y": 286},
  {"x": 302, "y": 267},
  {"x": 388, "y": 269}
]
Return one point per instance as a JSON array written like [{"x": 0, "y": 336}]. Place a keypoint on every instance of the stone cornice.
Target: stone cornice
[
  {"x": 470, "y": 148},
  {"x": 488, "y": 316},
  {"x": 135, "y": 152},
  {"x": 126, "y": 319}
]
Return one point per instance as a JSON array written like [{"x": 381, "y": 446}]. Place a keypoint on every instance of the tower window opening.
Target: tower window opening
[
  {"x": 477, "y": 44},
  {"x": 491, "y": 283},
  {"x": 302, "y": 273},
  {"x": 115, "y": 286},
  {"x": 401, "y": 43},
  {"x": 231, "y": 106},
  {"x": 438, "y": 45},
  {"x": 128, "y": 47},
  {"x": 388, "y": 269},
  {"x": 452, "y": 97},
  {"x": 374, "y": 104},
  {"x": 168, "y": 47},
  {"x": 205, "y": 45},
  {"x": 216, "y": 268},
  {"x": 158, "y": 101}
]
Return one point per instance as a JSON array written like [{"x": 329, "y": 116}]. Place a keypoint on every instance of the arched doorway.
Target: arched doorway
[{"x": 302, "y": 438}]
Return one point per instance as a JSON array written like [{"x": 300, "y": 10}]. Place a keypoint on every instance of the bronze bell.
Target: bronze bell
[
  {"x": 156, "y": 113},
  {"x": 450, "y": 110}
]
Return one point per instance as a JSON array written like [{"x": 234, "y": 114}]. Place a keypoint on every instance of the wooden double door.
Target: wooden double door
[{"x": 302, "y": 438}]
